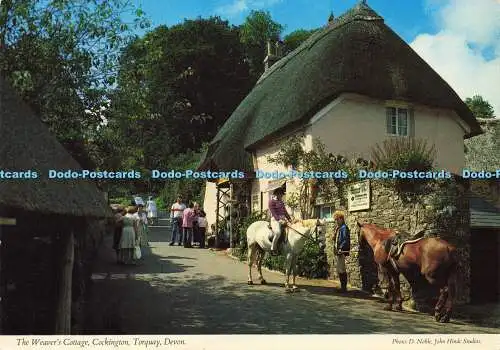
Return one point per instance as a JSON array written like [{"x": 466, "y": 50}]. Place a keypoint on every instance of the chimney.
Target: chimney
[
  {"x": 273, "y": 54},
  {"x": 331, "y": 18}
]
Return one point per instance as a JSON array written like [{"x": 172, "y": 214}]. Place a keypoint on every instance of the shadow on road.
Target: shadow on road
[
  {"x": 214, "y": 306},
  {"x": 319, "y": 290},
  {"x": 166, "y": 302},
  {"x": 178, "y": 257},
  {"x": 172, "y": 295}
]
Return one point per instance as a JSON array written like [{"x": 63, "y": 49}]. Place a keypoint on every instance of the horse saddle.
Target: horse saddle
[
  {"x": 394, "y": 245},
  {"x": 282, "y": 237}
]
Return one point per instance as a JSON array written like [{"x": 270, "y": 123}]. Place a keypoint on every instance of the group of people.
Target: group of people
[
  {"x": 342, "y": 240},
  {"x": 131, "y": 234},
  {"x": 189, "y": 224}
]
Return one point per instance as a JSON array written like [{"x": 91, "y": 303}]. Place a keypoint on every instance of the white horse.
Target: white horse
[{"x": 259, "y": 237}]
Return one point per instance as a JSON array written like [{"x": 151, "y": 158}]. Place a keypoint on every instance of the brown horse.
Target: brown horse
[{"x": 434, "y": 258}]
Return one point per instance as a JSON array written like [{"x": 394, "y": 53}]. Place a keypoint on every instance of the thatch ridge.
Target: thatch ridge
[
  {"x": 359, "y": 54},
  {"x": 27, "y": 144},
  {"x": 356, "y": 13}
]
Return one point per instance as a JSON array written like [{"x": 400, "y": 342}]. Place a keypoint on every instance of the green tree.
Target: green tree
[
  {"x": 176, "y": 86},
  {"x": 296, "y": 38},
  {"x": 258, "y": 28},
  {"x": 480, "y": 107},
  {"x": 192, "y": 77},
  {"x": 61, "y": 57},
  {"x": 191, "y": 190}
]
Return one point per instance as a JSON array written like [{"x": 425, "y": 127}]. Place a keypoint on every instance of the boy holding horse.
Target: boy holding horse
[
  {"x": 342, "y": 247},
  {"x": 279, "y": 217}
]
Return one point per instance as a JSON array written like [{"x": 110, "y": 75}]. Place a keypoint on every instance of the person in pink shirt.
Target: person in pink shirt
[{"x": 188, "y": 217}]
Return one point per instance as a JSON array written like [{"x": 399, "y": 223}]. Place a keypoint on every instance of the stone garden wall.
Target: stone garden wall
[{"x": 442, "y": 208}]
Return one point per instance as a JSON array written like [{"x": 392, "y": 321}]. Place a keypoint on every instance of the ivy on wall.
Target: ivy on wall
[
  {"x": 404, "y": 154},
  {"x": 293, "y": 154}
]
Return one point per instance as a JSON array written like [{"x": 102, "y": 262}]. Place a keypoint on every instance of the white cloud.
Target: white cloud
[
  {"x": 234, "y": 8},
  {"x": 239, "y": 6},
  {"x": 467, "y": 29}
]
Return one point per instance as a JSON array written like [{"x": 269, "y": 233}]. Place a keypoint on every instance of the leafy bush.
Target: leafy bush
[
  {"x": 276, "y": 263},
  {"x": 312, "y": 262},
  {"x": 406, "y": 155},
  {"x": 161, "y": 205},
  {"x": 125, "y": 201}
]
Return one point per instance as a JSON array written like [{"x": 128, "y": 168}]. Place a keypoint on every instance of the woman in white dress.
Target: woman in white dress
[
  {"x": 142, "y": 232},
  {"x": 129, "y": 237},
  {"x": 151, "y": 209}
]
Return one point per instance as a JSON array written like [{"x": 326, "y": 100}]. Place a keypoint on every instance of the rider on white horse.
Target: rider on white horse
[{"x": 279, "y": 217}]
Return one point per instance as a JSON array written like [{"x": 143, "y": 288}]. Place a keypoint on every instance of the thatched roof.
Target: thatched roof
[
  {"x": 488, "y": 121},
  {"x": 27, "y": 144},
  {"x": 357, "y": 53}
]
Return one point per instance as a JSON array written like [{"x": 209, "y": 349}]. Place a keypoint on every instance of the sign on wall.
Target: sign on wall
[{"x": 358, "y": 196}]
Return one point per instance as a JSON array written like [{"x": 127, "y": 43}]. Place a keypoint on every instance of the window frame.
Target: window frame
[
  {"x": 256, "y": 202},
  {"x": 320, "y": 210},
  {"x": 390, "y": 117}
]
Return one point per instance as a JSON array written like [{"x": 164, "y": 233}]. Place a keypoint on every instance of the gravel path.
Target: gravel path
[{"x": 194, "y": 291}]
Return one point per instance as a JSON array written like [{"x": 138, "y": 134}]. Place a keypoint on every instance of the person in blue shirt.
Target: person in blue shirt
[{"x": 342, "y": 248}]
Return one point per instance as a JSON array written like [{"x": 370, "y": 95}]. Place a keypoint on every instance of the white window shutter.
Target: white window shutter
[{"x": 388, "y": 120}]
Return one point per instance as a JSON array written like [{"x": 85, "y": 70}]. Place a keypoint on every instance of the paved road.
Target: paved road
[{"x": 193, "y": 291}]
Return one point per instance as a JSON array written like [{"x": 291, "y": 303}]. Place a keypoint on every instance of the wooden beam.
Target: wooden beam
[{"x": 63, "y": 311}]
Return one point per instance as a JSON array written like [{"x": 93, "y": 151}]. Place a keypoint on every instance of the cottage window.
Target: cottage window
[
  {"x": 256, "y": 203},
  {"x": 398, "y": 121},
  {"x": 324, "y": 212}
]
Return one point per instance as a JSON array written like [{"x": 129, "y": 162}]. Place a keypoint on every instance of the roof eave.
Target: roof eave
[{"x": 473, "y": 133}]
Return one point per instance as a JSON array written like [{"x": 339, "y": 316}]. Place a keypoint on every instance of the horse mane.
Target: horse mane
[
  {"x": 381, "y": 232},
  {"x": 308, "y": 223}
]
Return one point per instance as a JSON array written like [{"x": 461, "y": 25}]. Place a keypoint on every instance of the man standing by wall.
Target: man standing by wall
[
  {"x": 342, "y": 248},
  {"x": 176, "y": 218}
]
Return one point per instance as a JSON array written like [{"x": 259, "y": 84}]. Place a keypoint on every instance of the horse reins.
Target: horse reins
[{"x": 315, "y": 230}]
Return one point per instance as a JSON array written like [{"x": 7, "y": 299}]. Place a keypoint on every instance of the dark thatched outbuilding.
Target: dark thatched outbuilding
[
  {"x": 27, "y": 144},
  {"x": 357, "y": 53},
  {"x": 485, "y": 249},
  {"x": 46, "y": 240}
]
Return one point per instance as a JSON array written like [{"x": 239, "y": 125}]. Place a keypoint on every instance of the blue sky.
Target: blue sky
[
  {"x": 459, "y": 39},
  {"x": 407, "y": 18}
]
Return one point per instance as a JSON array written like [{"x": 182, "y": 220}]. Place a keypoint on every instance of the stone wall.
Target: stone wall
[{"x": 442, "y": 209}]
